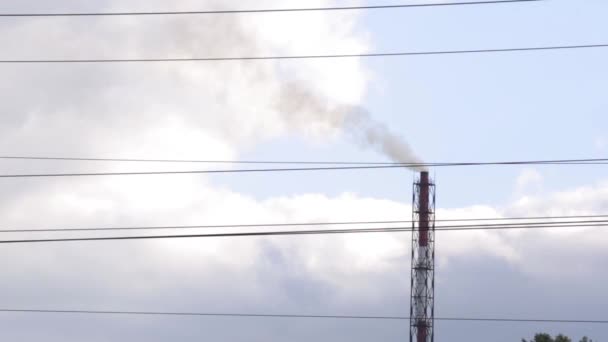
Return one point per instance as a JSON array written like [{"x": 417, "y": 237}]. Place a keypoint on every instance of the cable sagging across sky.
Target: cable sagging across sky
[
  {"x": 548, "y": 220},
  {"x": 314, "y": 232},
  {"x": 316, "y": 168},
  {"x": 261, "y": 315},
  {"x": 314, "y": 56},
  {"x": 590, "y": 161},
  {"x": 264, "y": 10}
]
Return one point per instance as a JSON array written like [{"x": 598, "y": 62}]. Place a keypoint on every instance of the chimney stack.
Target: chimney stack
[{"x": 423, "y": 260}]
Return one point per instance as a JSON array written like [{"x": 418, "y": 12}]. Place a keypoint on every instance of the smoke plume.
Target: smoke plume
[
  {"x": 300, "y": 106},
  {"x": 370, "y": 133}
]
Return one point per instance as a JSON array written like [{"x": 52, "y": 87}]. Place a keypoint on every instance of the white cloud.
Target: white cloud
[
  {"x": 176, "y": 109},
  {"x": 358, "y": 271},
  {"x": 529, "y": 182}
]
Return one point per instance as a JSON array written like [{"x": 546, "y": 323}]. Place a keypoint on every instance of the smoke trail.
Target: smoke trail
[
  {"x": 378, "y": 136},
  {"x": 300, "y": 106}
]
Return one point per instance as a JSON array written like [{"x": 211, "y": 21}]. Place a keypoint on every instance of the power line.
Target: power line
[
  {"x": 296, "y": 57},
  {"x": 299, "y": 224},
  {"x": 324, "y": 168},
  {"x": 303, "y": 232},
  {"x": 208, "y": 314},
  {"x": 238, "y": 234},
  {"x": 520, "y": 218},
  {"x": 266, "y": 10},
  {"x": 527, "y": 225},
  {"x": 203, "y": 161},
  {"x": 260, "y": 225},
  {"x": 157, "y": 313},
  {"x": 528, "y": 320},
  {"x": 591, "y": 161},
  {"x": 140, "y": 173}
]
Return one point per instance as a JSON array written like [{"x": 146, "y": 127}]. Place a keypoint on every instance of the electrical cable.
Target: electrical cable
[
  {"x": 296, "y": 57},
  {"x": 318, "y": 168},
  {"x": 266, "y": 10},
  {"x": 236, "y": 234},
  {"x": 141, "y": 173},
  {"x": 157, "y": 313},
  {"x": 296, "y": 224},
  {"x": 528, "y": 320},
  {"x": 302, "y": 232},
  {"x": 207, "y": 314},
  {"x": 591, "y": 161}
]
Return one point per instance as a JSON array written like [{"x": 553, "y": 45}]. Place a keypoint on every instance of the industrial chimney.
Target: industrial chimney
[{"x": 423, "y": 260}]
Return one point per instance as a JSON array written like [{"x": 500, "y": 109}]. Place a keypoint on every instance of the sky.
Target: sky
[{"x": 483, "y": 107}]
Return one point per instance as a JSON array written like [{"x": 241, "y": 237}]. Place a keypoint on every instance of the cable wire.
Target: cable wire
[
  {"x": 266, "y": 10},
  {"x": 237, "y": 234},
  {"x": 302, "y": 232},
  {"x": 527, "y": 320},
  {"x": 318, "y": 168},
  {"x": 157, "y": 313},
  {"x": 297, "y": 224},
  {"x": 212, "y": 314},
  {"x": 141, "y": 173},
  {"x": 296, "y": 57},
  {"x": 591, "y": 161}
]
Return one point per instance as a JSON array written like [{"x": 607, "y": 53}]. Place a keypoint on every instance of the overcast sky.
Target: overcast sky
[{"x": 487, "y": 107}]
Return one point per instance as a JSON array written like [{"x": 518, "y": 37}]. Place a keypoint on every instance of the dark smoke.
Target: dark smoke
[{"x": 300, "y": 106}]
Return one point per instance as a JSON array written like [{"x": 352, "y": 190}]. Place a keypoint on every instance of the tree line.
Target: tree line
[{"x": 542, "y": 337}]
